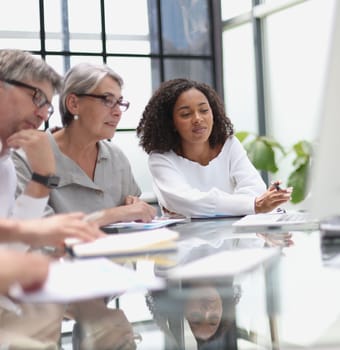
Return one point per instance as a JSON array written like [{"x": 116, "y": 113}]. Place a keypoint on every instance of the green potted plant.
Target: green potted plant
[{"x": 264, "y": 153}]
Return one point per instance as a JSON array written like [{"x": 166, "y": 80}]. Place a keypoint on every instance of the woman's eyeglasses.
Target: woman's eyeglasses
[{"x": 109, "y": 101}]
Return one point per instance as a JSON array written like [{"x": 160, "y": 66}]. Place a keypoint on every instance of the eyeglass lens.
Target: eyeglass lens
[{"x": 111, "y": 102}]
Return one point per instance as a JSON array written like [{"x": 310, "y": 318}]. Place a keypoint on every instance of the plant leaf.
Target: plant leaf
[
  {"x": 298, "y": 180},
  {"x": 300, "y": 161},
  {"x": 302, "y": 148},
  {"x": 273, "y": 144},
  {"x": 242, "y": 135},
  {"x": 261, "y": 155}
]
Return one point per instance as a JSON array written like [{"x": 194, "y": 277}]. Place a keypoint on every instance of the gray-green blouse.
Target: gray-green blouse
[{"x": 113, "y": 180}]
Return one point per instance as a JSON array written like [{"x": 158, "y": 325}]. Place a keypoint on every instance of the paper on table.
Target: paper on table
[
  {"x": 133, "y": 243},
  {"x": 215, "y": 216},
  {"x": 155, "y": 223},
  {"x": 227, "y": 263},
  {"x": 86, "y": 279}
]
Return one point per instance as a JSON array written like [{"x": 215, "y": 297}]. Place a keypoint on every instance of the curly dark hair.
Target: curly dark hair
[{"x": 156, "y": 129}]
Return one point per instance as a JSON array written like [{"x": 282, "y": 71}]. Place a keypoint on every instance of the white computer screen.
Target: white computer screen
[{"x": 325, "y": 172}]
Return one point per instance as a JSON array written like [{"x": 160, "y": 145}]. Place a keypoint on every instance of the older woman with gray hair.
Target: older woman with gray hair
[{"x": 95, "y": 175}]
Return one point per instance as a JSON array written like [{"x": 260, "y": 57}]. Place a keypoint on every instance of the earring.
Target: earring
[{"x": 75, "y": 117}]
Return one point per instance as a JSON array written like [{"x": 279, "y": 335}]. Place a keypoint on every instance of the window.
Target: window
[
  {"x": 274, "y": 58},
  {"x": 144, "y": 49}
]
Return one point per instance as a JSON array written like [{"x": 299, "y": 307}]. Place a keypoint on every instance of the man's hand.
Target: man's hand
[
  {"x": 39, "y": 156},
  {"x": 37, "y": 148}
]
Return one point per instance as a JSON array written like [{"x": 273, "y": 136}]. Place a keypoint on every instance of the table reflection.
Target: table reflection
[
  {"x": 100, "y": 327},
  {"x": 267, "y": 306},
  {"x": 207, "y": 308}
]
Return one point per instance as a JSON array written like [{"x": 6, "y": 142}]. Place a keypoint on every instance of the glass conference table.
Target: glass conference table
[{"x": 226, "y": 291}]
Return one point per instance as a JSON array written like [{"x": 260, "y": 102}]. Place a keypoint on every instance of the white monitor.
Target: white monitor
[{"x": 325, "y": 172}]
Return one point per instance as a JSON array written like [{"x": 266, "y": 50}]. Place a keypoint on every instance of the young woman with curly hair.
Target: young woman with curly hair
[{"x": 199, "y": 168}]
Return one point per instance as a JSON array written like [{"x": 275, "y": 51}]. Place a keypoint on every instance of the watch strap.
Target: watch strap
[{"x": 50, "y": 181}]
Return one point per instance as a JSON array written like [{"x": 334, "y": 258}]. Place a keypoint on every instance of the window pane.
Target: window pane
[
  {"x": 81, "y": 34},
  {"x": 57, "y": 62},
  {"x": 186, "y": 28},
  {"x": 10, "y": 19},
  {"x": 23, "y": 33},
  {"x": 89, "y": 59},
  {"x": 200, "y": 70},
  {"x": 85, "y": 25},
  {"x": 231, "y": 8},
  {"x": 53, "y": 25},
  {"x": 296, "y": 66},
  {"x": 138, "y": 85},
  {"x": 126, "y": 33},
  {"x": 18, "y": 41},
  {"x": 239, "y": 78}
]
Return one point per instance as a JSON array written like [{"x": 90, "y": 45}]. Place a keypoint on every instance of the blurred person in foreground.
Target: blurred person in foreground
[{"x": 27, "y": 85}]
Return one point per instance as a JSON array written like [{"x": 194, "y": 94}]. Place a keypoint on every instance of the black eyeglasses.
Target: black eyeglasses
[
  {"x": 109, "y": 101},
  {"x": 39, "y": 98}
]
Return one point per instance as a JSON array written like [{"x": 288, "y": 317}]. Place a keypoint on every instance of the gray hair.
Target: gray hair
[
  {"x": 83, "y": 78},
  {"x": 22, "y": 65}
]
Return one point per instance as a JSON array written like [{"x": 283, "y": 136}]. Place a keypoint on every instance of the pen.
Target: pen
[{"x": 277, "y": 186}]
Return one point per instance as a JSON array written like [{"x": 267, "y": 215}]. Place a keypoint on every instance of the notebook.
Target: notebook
[
  {"x": 161, "y": 240},
  {"x": 276, "y": 221}
]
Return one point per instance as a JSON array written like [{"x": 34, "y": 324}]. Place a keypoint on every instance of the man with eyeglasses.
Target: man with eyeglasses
[{"x": 27, "y": 85}]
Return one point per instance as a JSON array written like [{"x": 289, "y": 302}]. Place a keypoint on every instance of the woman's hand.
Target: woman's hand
[
  {"x": 131, "y": 200},
  {"x": 272, "y": 198}
]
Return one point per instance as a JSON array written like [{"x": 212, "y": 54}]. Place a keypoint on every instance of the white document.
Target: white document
[
  {"x": 227, "y": 263},
  {"x": 155, "y": 223},
  {"x": 77, "y": 280},
  {"x": 126, "y": 244}
]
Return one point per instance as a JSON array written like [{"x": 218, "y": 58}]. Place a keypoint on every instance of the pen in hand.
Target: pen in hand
[{"x": 277, "y": 186}]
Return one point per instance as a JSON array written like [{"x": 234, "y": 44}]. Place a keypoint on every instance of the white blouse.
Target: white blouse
[{"x": 228, "y": 185}]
